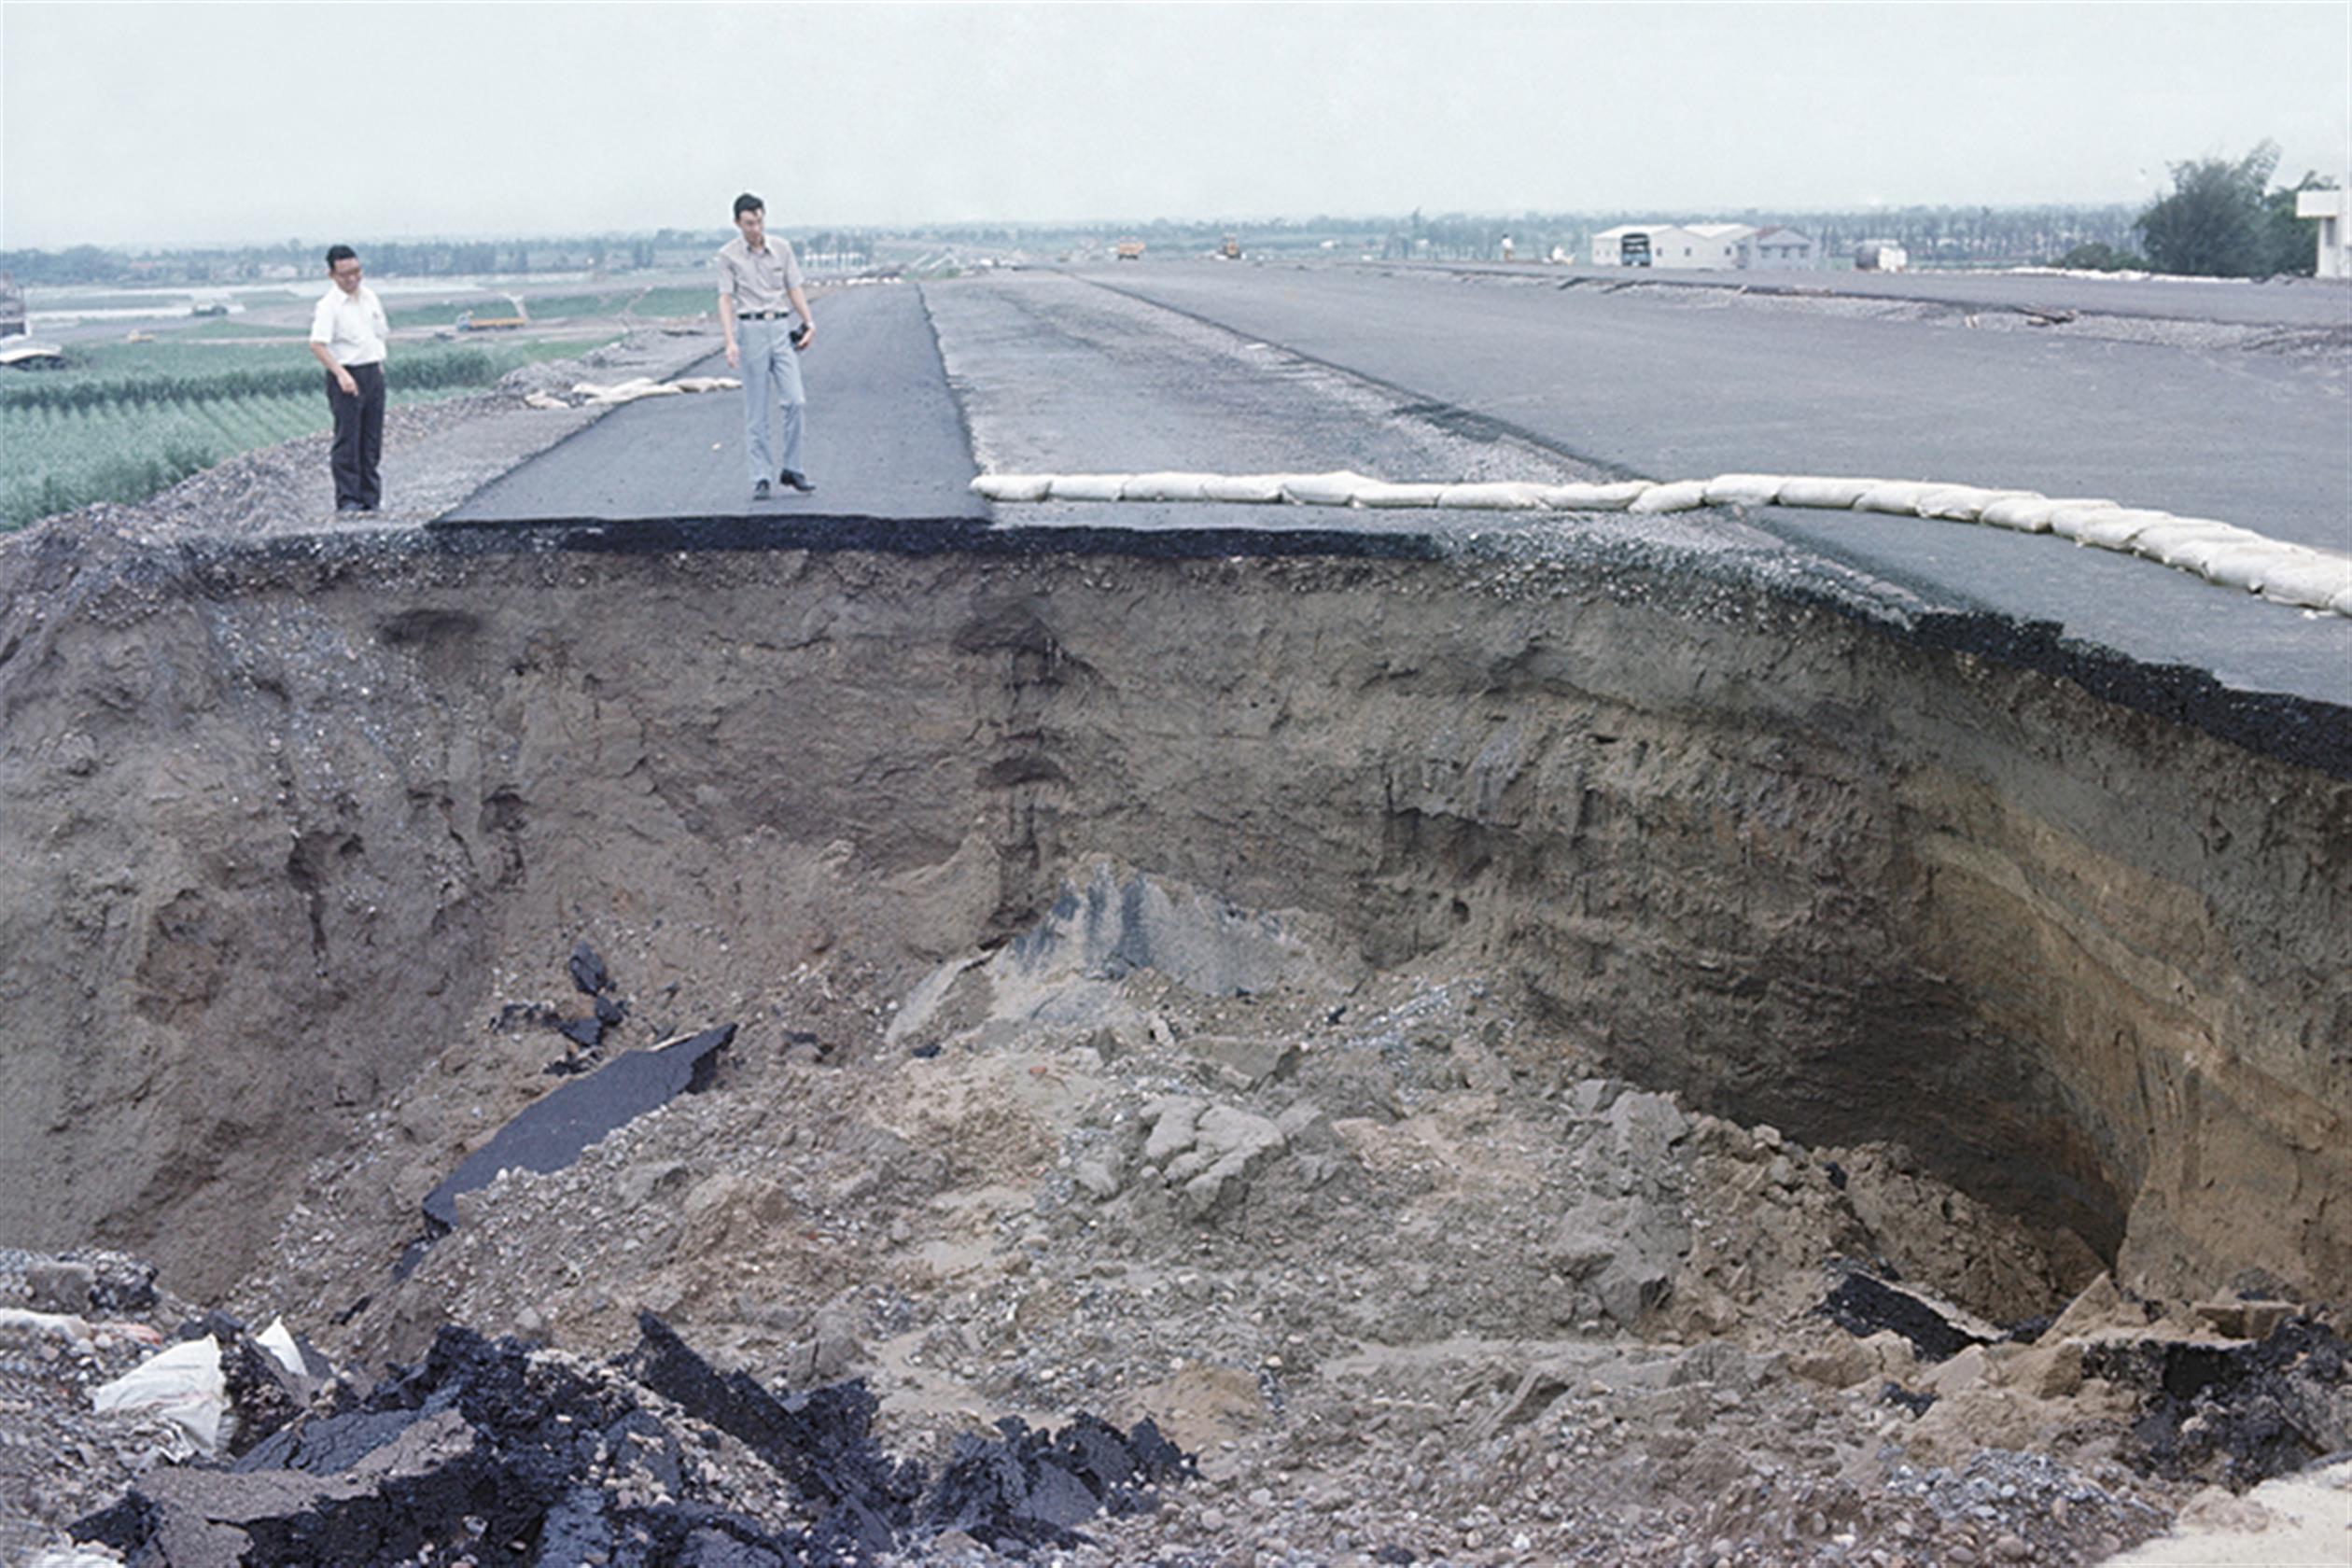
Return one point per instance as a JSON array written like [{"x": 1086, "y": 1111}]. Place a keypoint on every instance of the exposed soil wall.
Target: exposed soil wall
[{"x": 272, "y": 825}]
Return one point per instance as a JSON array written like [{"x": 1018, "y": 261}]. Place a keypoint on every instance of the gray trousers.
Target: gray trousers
[{"x": 771, "y": 380}]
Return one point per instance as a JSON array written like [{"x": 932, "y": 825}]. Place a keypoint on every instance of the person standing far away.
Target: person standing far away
[
  {"x": 758, "y": 278},
  {"x": 347, "y": 333}
]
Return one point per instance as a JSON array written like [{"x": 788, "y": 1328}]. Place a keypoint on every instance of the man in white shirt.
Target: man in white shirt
[
  {"x": 347, "y": 333},
  {"x": 758, "y": 276}
]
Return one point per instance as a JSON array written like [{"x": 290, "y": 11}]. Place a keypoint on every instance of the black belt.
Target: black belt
[{"x": 761, "y": 315}]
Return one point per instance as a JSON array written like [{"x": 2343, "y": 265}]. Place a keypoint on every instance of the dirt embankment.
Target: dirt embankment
[{"x": 281, "y": 827}]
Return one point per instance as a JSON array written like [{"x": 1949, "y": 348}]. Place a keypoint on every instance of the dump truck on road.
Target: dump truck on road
[{"x": 1130, "y": 250}]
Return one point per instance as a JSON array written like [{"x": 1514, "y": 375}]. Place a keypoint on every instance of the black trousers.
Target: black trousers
[{"x": 358, "y": 438}]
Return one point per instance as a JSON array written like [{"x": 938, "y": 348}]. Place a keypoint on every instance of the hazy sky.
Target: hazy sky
[{"x": 138, "y": 125}]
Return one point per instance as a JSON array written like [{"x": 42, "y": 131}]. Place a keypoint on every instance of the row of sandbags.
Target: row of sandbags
[{"x": 2221, "y": 553}]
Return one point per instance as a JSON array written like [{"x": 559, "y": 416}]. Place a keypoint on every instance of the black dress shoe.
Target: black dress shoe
[
  {"x": 799, "y": 481},
  {"x": 760, "y": 490}
]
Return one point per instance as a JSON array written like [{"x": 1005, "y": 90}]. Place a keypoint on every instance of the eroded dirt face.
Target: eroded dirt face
[
  {"x": 284, "y": 832},
  {"x": 1433, "y": 1033}
]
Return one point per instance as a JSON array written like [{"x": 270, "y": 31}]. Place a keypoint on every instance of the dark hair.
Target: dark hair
[
  {"x": 340, "y": 253},
  {"x": 748, "y": 203}
]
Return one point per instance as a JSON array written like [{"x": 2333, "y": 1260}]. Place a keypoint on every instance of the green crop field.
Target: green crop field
[
  {"x": 126, "y": 420},
  {"x": 667, "y": 301}
]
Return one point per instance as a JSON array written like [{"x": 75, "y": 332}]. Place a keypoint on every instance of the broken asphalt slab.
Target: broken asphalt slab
[
  {"x": 552, "y": 1131},
  {"x": 489, "y": 1452}
]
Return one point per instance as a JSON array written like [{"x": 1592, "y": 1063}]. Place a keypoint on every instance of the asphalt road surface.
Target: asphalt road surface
[
  {"x": 1674, "y": 389},
  {"x": 883, "y": 437},
  {"x": 1200, "y": 365},
  {"x": 2273, "y": 303}
]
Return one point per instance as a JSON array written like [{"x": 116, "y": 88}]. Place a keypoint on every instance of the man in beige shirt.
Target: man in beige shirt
[{"x": 758, "y": 277}]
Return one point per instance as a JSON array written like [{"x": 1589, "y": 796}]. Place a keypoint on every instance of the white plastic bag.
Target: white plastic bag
[{"x": 183, "y": 1385}]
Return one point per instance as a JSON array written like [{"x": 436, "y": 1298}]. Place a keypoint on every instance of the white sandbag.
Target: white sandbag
[
  {"x": 2159, "y": 542},
  {"x": 24, "y": 1323},
  {"x": 1089, "y": 487},
  {"x": 543, "y": 400},
  {"x": 2025, "y": 515},
  {"x": 2312, "y": 579},
  {"x": 1336, "y": 488},
  {"x": 1965, "y": 503},
  {"x": 1681, "y": 496},
  {"x": 2113, "y": 527},
  {"x": 1897, "y": 496},
  {"x": 2342, "y": 603},
  {"x": 1261, "y": 489},
  {"x": 1813, "y": 490},
  {"x": 708, "y": 384},
  {"x": 2068, "y": 522},
  {"x": 2249, "y": 565},
  {"x": 1614, "y": 497},
  {"x": 1166, "y": 487},
  {"x": 279, "y": 1341},
  {"x": 1744, "y": 489},
  {"x": 1379, "y": 495},
  {"x": 183, "y": 1385},
  {"x": 1013, "y": 487},
  {"x": 1493, "y": 496},
  {"x": 2197, "y": 555}
]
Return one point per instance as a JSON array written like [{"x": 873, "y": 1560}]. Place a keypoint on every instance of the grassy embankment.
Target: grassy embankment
[{"x": 125, "y": 420}]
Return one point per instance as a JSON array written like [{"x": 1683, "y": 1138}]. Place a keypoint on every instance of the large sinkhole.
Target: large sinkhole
[{"x": 278, "y": 829}]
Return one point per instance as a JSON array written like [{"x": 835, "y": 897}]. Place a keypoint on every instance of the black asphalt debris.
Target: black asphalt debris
[
  {"x": 1863, "y": 1306},
  {"x": 1036, "y": 1487},
  {"x": 2238, "y": 1413},
  {"x": 588, "y": 971},
  {"x": 490, "y": 1453},
  {"x": 550, "y": 1133}
]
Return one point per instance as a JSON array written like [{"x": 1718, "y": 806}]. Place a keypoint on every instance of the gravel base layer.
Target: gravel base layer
[{"x": 1411, "y": 1280}]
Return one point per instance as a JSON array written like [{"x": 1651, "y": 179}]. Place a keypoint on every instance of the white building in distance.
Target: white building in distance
[
  {"x": 1773, "y": 248},
  {"x": 2329, "y": 210},
  {"x": 1717, "y": 246}
]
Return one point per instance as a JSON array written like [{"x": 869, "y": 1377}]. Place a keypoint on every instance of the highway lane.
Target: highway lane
[
  {"x": 1666, "y": 390},
  {"x": 884, "y": 438},
  {"x": 2286, "y": 302},
  {"x": 1218, "y": 367}
]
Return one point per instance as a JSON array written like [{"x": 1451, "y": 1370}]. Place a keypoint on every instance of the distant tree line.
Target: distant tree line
[
  {"x": 2223, "y": 220},
  {"x": 94, "y": 264}
]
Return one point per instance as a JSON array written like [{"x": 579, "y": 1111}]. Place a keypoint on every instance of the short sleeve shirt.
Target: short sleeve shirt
[
  {"x": 351, "y": 325},
  {"x": 757, "y": 280}
]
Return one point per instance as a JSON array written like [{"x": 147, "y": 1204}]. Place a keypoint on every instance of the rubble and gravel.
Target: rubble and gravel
[
  {"x": 1418, "y": 1276},
  {"x": 1409, "y": 1274}
]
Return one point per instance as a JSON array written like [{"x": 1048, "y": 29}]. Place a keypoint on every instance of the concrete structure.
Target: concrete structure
[
  {"x": 1668, "y": 245},
  {"x": 1715, "y": 246},
  {"x": 2329, "y": 210},
  {"x": 1773, "y": 248}
]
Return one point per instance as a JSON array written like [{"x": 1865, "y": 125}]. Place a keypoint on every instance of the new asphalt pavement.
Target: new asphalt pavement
[{"x": 1661, "y": 382}]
